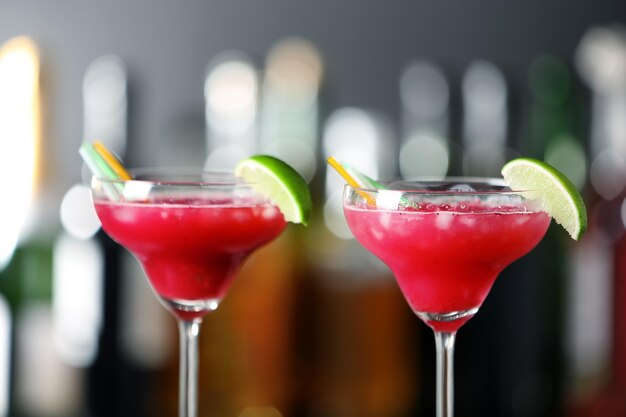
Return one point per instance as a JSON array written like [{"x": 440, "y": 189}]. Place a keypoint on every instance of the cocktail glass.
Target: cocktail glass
[
  {"x": 191, "y": 231},
  {"x": 445, "y": 242}
]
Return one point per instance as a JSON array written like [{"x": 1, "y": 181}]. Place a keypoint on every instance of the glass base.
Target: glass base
[
  {"x": 447, "y": 322},
  {"x": 190, "y": 309}
]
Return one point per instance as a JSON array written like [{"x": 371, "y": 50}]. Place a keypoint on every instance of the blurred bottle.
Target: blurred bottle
[
  {"x": 358, "y": 353},
  {"x": 485, "y": 132},
  {"x": 45, "y": 385},
  {"x": 246, "y": 350},
  {"x": 105, "y": 107},
  {"x": 290, "y": 105},
  {"x": 598, "y": 344},
  {"x": 12, "y": 218},
  {"x": 290, "y": 115},
  {"x": 426, "y": 150},
  {"x": 6, "y": 328},
  {"x": 425, "y": 146},
  {"x": 528, "y": 378},
  {"x": 229, "y": 135},
  {"x": 485, "y": 120},
  {"x": 231, "y": 92},
  {"x": 28, "y": 226},
  {"x": 88, "y": 273},
  {"x": 524, "y": 375},
  {"x": 555, "y": 136},
  {"x": 21, "y": 145},
  {"x": 268, "y": 286}
]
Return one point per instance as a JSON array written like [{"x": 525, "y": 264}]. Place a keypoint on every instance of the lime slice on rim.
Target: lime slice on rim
[
  {"x": 560, "y": 198},
  {"x": 279, "y": 183}
]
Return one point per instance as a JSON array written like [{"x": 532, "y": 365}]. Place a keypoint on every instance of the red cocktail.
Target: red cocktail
[
  {"x": 190, "y": 232},
  {"x": 191, "y": 250},
  {"x": 446, "y": 259},
  {"x": 445, "y": 242}
]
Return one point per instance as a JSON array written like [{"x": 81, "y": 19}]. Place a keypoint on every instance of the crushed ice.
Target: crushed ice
[
  {"x": 443, "y": 220},
  {"x": 137, "y": 190},
  {"x": 464, "y": 188},
  {"x": 388, "y": 199}
]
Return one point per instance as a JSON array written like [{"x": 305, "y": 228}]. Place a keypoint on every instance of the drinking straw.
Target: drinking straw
[
  {"x": 364, "y": 179},
  {"x": 112, "y": 161},
  {"x": 349, "y": 179},
  {"x": 369, "y": 182},
  {"x": 101, "y": 169}
]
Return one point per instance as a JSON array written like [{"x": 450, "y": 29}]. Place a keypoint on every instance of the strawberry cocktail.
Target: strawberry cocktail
[
  {"x": 191, "y": 249},
  {"x": 445, "y": 242},
  {"x": 191, "y": 232}
]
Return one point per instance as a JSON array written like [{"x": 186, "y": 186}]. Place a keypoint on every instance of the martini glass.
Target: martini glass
[
  {"x": 445, "y": 242},
  {"x": 191, "y": 231}
]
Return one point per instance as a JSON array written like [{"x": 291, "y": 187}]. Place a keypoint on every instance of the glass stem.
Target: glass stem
[
  {"x": 188, "y": 385},
  {"x": 444, "y": 341}
]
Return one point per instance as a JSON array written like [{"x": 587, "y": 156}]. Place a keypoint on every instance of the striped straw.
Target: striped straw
[
  {"x": 101, "y": 169},
  {"x": 357, "y": 179},
  {"x": 350, "y": 179}
]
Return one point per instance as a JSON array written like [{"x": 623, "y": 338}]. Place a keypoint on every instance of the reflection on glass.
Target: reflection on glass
[
  {"x": 231, "y": 95},
  {"x": 425, "y": 96},
  {"x": 19, "y": 138},
  {"x": 290, "y": 104}
]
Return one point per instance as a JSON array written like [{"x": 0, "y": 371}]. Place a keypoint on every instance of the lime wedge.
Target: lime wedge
[
  {"x": 279, "y": 183},
  {"x": 560, "y": 198}
]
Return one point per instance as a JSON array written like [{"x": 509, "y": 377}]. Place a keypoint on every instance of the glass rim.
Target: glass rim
[
  {"x": 177, "y": 177},
  {"x": 439, "y": 181}
]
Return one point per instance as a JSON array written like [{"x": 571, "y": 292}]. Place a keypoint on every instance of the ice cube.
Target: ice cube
[
  {"x": 137, "y": 190},
  {"x": 461, "y": 187},
  {"x": 388, "y": 199},
  {"x": 468, "y": 221},
  {"x": 444, "y": 219},
  {"x": 269, "y": 213}
]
